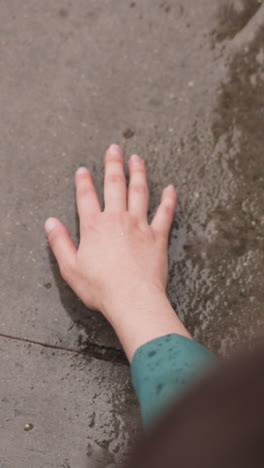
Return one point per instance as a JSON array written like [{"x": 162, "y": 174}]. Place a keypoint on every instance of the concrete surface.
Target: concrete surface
[{"x": 182, "y": 84}]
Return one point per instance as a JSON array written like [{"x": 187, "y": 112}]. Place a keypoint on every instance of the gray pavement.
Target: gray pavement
[{"x": 180, "y": 83}]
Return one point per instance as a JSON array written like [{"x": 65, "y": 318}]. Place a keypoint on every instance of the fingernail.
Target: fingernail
[
  {"x": 135, "y": 159},
  {"x": 171, "y": 188},
  {"x": 82, "y": 170},
  {"x": 50, "y": 224},
  {"x": 114, "y": 149}
]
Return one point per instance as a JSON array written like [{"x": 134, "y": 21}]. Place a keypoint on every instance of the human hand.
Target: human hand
[{"x": 119, "y": 250}]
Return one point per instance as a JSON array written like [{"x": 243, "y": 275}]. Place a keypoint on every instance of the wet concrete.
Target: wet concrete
[
  {"x": 233, "y": 16},
  {"x": 181, "y": 84}
]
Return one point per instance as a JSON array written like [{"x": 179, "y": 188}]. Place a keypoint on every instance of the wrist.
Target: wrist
[
  {"x": 130, "y": 301},
  {"x": 141, "y": 314}
]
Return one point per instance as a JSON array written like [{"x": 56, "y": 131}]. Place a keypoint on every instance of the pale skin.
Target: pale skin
[{"x": 121, "y": 265}]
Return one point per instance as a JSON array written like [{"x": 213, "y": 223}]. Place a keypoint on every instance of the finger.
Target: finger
[
  {"x": 86, "y": 196},
  {"x": 138, "y": 194},
  {"x": 115, "y": 191},
  {"x": 62, "y": 246},
  {"x": 163, "y": 218}
]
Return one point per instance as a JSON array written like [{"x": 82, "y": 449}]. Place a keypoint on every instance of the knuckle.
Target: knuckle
[
  {"x": 84, "y": 173},
  {"x": 142, "y": 224},
  {"x": 84, "y": 189},
  {"x": 113, "y": 158},
  {"x": 139, "y": 168},
  {"x": 168, "y": 206},
  {"x": 115, "y": 178},
  {"x": 53, "y": 236},
  {"x": 65, "y": 270},
  {"x": 118, "y": 219},
  {"x": 83, "y": 177},
  {"x": 138, "y": 188}
]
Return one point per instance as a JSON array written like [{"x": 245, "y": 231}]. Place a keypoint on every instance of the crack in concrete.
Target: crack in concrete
[{"x": 104, "y": 353}]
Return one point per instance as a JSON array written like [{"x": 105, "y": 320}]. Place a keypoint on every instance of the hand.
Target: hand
[
  {"x": 121, "y": 265},
  {"x": 119, "y": 250}
]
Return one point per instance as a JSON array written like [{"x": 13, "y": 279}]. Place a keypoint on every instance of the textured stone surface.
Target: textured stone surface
[{"x": 79, "y": 411}]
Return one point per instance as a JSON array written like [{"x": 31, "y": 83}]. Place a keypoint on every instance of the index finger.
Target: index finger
[{"x": 86, "y": 196}]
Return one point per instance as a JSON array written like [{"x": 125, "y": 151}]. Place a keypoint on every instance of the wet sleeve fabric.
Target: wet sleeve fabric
[{"x": 163, "y": 369}]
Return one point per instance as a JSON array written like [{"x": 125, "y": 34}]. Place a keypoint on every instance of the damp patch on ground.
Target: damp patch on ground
[
  {"x": 237, "y": 251},
  {"x": 233, "y": 17}
]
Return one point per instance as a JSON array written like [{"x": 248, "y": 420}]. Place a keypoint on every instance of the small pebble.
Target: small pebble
[
  {"x": 28, "y": 427},
  {"x": 128, "y": 133}
]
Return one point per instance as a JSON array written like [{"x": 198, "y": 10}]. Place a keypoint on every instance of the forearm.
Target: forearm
[
  {"x": 141, "y": 314},
  {"x": 164, "y": 360}
]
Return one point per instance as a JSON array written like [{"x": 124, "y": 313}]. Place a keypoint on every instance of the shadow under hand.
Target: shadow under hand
[{"x": 99, "y": 339}]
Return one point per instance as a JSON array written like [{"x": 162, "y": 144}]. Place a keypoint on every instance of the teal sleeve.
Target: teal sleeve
[{"x": 163, "y": 369}]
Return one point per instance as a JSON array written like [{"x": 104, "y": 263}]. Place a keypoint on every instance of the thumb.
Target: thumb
[{"x": 62, "y": 246}]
